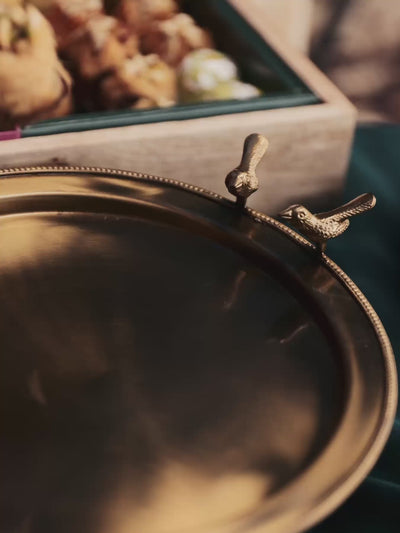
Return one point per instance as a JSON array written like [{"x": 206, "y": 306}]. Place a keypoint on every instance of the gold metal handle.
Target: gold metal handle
[
  {"x": 255, "y": 146},
  {"x": 319, "y": 228},
  {"x": 242, "y": 181}
]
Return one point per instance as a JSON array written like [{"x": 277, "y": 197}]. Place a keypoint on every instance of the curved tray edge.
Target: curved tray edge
[{"x": 360, "y": 470}]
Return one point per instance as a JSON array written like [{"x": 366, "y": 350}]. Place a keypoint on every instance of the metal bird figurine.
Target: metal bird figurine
[
  {"x": 242, "y": 181},
  {"x": 321, "y": 227}
]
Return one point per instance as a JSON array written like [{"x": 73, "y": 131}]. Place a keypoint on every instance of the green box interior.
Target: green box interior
[{"x": 258, "y": 64}]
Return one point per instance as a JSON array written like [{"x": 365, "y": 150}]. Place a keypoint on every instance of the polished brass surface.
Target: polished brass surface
[
  {"x": 321, "y": 227},
  {"x": 242, "y": 181},
  {"x": 170, "y": 365}
]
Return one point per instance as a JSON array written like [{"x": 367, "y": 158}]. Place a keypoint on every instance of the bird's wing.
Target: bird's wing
[{"x": 359, "y": 205}]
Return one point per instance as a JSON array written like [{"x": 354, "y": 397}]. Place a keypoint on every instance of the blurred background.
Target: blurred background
[{"x": 355, "y": 42}]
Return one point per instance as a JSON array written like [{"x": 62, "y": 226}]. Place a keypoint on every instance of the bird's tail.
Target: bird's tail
[{"x": 359, "y": 205}]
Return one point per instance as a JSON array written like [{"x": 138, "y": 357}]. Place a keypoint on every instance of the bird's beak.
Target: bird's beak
[{"x": 286, "y": 214}]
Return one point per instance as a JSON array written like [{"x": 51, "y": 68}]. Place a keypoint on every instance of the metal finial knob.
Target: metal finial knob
[{"x": 242, "y": 181}]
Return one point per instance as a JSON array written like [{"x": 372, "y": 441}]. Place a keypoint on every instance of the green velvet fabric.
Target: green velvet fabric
[{"x": 370, "y": 253}]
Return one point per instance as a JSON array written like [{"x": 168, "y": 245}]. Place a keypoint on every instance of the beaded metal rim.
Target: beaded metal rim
[{"x": 360, "y": 470}]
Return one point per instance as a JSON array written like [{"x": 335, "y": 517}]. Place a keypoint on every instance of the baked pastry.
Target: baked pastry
[
  {"x": 100, "y": 46},
  {"x": 130, "y": 60},
  {"x": 174, "y": 38},
  {"x": 141, "y": 82},
  {"x": 207, "y": 75},
  {"x": 33, "y": 83},
  {"x": 204, "y": 69},
  {"x": 229, "y": 90},
  {"x": 67, "y": 16},
  {"x": 140, "y": 14}
]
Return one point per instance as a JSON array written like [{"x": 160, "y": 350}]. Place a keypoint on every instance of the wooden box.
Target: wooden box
[{"x": 310, "y": 130}]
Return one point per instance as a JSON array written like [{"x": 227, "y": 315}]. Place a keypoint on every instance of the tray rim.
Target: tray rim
[{"x": 361, "y": 469}]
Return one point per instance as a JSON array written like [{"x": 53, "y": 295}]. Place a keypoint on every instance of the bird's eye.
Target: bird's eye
[{"x": 302, "y": 214}]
